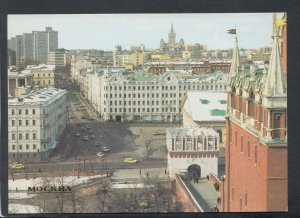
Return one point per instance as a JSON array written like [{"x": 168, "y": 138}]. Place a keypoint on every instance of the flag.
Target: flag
[
  {"x": 231, "y": 31},
  {"x": 280, "y": 22}
]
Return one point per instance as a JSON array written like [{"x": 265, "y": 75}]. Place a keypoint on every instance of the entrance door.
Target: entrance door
[
  {"x": 194, "y": 171},
  {"x": 118, "y": 118}
]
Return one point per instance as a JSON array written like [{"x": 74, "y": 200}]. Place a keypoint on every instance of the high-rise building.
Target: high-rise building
[
  {"x": 33, "y": 48},
  {"x": 256, "y": 143},
  {"x": 172, "y": 38}
]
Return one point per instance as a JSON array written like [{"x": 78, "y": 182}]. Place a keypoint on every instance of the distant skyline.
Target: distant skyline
[{"x": 104, "y": 31}]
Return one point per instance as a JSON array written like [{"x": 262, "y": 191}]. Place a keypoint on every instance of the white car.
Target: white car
[
  {"x": 105, "y": 149},
  {"x": 100, "y": 154},
  {"x": 77, "y": 134},
  {"x": 96, "y": 144}
]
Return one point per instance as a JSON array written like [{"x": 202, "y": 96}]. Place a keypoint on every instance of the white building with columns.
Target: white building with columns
[
  {"x": 145, "y": 97},
  {"x": 35, "y": 122},
  {"x": 192, "y": 151}
]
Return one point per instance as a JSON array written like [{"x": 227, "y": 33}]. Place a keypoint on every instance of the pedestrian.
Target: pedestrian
[
  {"x": 165, "y": 172},
  {"x": 147, "y": 174},
  {"x": 140, "y": 171},
  {"x": 40, "y": 170}
]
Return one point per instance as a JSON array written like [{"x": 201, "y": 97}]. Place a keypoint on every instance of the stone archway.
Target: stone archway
[{"x": 194, "y": 171}]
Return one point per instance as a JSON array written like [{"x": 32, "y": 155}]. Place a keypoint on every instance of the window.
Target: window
[
  {"x": 20, "y": 122},
  {"x": 232, "y": 193},
  {"x": 13, "y": 112},
  {"x": 248, "y": 150},
  {"x": 33, "y": 111},
  {"x": 20, "y": 135},
  {"x": 33, "y": 135},
  {"x": 27, "y": 122},
  {"x": 44, "y": 146},
  {"x": 241, "y": 203},
  {"x": 13, "y": 147},
  {"x": 26, "y": 111},
  {"x": 13, "y": 123},
  {"x": 13, "y": 136},
  {"x": 27, "y": 147},
  {"x": 246, "y": 199},
  {"x": 20, "y": 147},
  {"x": 242, "y": 144},
  {"x": 34, "y": 146},
  {"x": 27, "y": 136},
  {"x": 255, "y": 154},
  {"x": 20, "y": 111}
]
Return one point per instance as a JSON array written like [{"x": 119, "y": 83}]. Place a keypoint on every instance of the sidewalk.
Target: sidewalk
[{"x": 134, "y": 174}]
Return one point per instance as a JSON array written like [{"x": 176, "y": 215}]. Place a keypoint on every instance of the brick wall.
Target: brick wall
[{"x": 184, "y": 198}]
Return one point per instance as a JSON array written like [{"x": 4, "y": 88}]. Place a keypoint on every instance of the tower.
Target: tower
[
  {"x": 172, "y": 38},
  {"x": 256, "y": 143}
]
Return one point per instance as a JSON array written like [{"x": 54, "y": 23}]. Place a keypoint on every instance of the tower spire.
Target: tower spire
[
  {"x": 275, "y": 85},
  {"x": 235, "y": 63}
]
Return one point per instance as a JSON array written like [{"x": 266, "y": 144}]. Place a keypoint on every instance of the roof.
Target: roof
[
  {"x": 181, "y": 131},
  {"x": 206, "y": 106},
  {"x": 37, "y": 96}
]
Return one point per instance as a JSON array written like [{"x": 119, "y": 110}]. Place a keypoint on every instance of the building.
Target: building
[
  {"x": 33, "y": 48},
  {"x": 18, "y": 81},
  {"x": 256, "y": 143},
  {"x": 57, "y": 59},
  {"x": 192, "y": 151},
  {"x": 35, "y": 122},
  {"x": 172, "y": 44},
  {"x": 146, "y": 97},
  {"x": 43, "y": 75},
  {"x": 206, "y": 109}
]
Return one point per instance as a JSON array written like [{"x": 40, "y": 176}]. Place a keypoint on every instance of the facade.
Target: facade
[
  {"x": 35, "y": 122},
  {"x": 145, "y": 97},
  {"x": 43, "y": 75},
  {"x": 57, "y": 59},
  {"x": 197, "y": 67},
  {"x": 192, "y": 151},
  {"x": 206, "y": 109},
  {"x": 256, "y": 144}
]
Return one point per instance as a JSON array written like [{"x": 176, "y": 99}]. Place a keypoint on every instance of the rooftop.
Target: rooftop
[
  {"x": 37, "y": 96},
  {"x": 206, "y": 106}
]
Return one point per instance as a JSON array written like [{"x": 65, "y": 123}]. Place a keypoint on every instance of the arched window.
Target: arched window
[
  {"x": 210, "y": 143},
  {"x": 189, "y": 143},
  {"x": 232, "y": 98},
  {"x": 220, "y": 135},
  {"x": 178, "y": 143},
  {"x": 199, "y": 143}
]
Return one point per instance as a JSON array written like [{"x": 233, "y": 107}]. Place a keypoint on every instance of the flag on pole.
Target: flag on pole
[{"x": 231, "y": 31}]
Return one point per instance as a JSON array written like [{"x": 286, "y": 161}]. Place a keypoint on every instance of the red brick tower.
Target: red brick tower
[{"x": 256, "y": 142}]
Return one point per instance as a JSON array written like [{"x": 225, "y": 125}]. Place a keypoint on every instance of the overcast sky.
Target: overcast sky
[{"x": 106, "y": 30}]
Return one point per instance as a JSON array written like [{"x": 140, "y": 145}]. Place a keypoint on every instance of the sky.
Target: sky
[{"x": 104, "y": 31}]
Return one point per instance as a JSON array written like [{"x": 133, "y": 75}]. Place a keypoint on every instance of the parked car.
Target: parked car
[
  {"x": 78, "y": 134},
  {"x": 17, "y": 166},
  {"x": 78, "y": 124},
  {"x": 105, "y": 149},
  {"x": 88, "y": 127},
  {"x": 91, "y": 131},
  {"x": 130, "y": 160},
  {"x": 85, "y": 138},
  {"x": 100, "y": 154},
  {"x": 92, "y": 137},
  {"x": 96, "y": 144}
]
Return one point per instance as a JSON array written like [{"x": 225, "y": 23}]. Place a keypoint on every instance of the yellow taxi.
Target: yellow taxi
[{"x": 130, "y": 160}]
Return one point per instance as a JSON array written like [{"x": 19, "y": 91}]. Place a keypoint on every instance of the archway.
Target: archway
[{"x": 194, "y": 171}]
